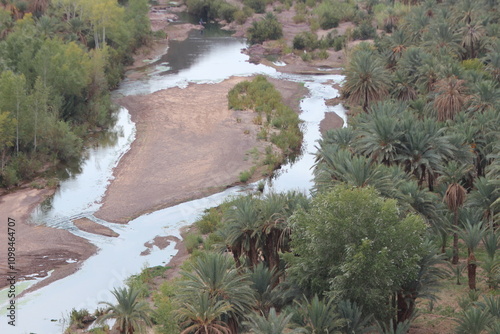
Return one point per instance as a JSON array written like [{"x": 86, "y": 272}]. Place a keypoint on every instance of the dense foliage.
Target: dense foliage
[
  {"x": 269, "y": 28},
  {"x": 58, "y": 61}
]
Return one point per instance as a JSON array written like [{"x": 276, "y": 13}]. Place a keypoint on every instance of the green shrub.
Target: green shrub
[
  {"x": 165, "y": 306},
  {"x": 76, "y": 317},
  {"x": 245, "y": 176},
  {"x": 364, "y": 31},
  {"x": 9, "y": 177},
  {"x": 209, "y": 221},
  {"x": 267, "y": 29},
  {"x": 305, "y": 41},
  {"x": 240, "y": 17},
  {"x": 212, "y": 9},
  {"x": 192, "y": 242},
  {"x": 299, "y": 18},
  {"x": 259, "y": 6}
]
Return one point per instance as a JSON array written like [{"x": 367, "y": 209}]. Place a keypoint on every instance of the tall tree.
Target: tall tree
[
  {"x": 366, "y": 79},
  {"x": 455, "y": 196}
]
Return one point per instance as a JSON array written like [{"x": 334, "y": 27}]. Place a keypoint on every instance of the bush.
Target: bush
[
  {"x": 209, "y": 221},
  {"x": 212, "y": 9},
  {"x": 192, "y": 242},
  {"x": 259, "y": 6},
  {"x": 364, "y": 31},
  {"x": 267, "y": 29},
  {"x": 305, "y": 41},
  {"x": 9, "y": 177},
  {"x": 245, "y": 176}
]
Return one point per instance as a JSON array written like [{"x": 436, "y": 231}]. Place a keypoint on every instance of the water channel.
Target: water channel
[{"x": 208, "y": 57}]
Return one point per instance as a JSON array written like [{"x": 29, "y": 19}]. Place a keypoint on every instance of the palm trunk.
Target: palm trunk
[
  {"x": 471, "y": 271},
  {"x": 406, "y": 306},
  {"x": 455, "y": 238}
]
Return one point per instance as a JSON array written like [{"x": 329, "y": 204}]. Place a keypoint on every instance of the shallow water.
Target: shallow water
[{"x": 209, "y": 59}]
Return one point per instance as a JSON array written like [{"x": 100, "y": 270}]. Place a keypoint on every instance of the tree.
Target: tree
[
  {"x": 130, "y": 314},
  {"x": 272, "y": 324},
  {"x": 318, "y": 316},
  {"x": 7, "y": 135},
  {"x": 243, "y": 229},
  {"x": 471, "y": 234},
  {"x": 451, "y": 97},
  {"x": 202, "y": 315},
  {"x": 371, "y": 240},
  {"x": 366, "y": 79},
  {"x": 216, "y": 275},
  {"x": 12, "y": 97},
  {"x": 455, "y": 196}
]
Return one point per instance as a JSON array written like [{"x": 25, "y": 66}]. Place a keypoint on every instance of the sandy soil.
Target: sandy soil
[
  {"x": 88, "y": 225},
  {"x": 188, "y": 144},
  {"x": 39, "y": 249}
]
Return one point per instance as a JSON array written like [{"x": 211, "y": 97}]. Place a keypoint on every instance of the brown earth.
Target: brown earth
[
  {"x": 189, "y": 144},
  {"x": 88, "y": 225},
  {"x": 38, "y": 249}
]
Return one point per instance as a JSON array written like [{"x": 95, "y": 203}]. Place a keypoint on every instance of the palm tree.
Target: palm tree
[
  {"x": 441, "y": 38},
  {"x": 423, "y": 149},
  {"x": 380, "y": 137},
  {"x": 471, "y": 39},
  {"x": 243, "y": 229},
  {"x": 263, "y": 282},
  {"x": 366, "y": 79},
  {"x": 217, "y": 275},
  {"x": 358, "y": 171},
  {"x": 473, "y": 321},
  {"x": 272, "y": 324},
  {"x": 202, "y": 315},
  {"x": 472, "y": 234},
  {"x": 451, "y": 97},
  {"x": 483, "y": 197},
  {"x": 318, "y": 316},
  {"x": 455, "y": 196},
  {"x": 400, "y": 328},
  {"x": 131, "y": 315},
  {"x": 424, "y": 286},
  {"x": 355, "y": 321},
  {"x": 485, "y": 96}
]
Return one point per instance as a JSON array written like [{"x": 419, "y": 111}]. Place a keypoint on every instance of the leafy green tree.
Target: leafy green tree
[
  {"x": 7, "y": 135},
  {"x": 371, "y": 240},
  {"x": 131, "y": 314}
]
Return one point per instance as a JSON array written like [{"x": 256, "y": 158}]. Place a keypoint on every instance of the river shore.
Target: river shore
[{"x": 207, "y": 146}]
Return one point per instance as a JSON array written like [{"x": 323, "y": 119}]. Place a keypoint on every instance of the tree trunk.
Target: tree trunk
[
  {"x": 471, "y": 271},
  {"x": 406, "y": 306},
  {"x": 455, "y": 239}
]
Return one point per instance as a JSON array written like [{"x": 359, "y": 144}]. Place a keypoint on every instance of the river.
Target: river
[{"x": 208, "y": 57}]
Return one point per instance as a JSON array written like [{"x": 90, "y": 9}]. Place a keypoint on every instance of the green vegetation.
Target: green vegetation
[
  {"x": 212, "y": 9},
  {"x": 269, "y": 28},
  {"x": 276, "y": 119},
  {"x": 58, "y": 61}
]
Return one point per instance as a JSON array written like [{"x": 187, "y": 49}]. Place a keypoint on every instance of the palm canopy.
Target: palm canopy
[
  {"x": 217, "y": 274},
  {"x": 366, "y": 79},
  {"x": 131, "y": 315}
]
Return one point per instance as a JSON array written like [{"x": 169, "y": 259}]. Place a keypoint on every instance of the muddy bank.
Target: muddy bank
[{"x": 39, "y": 249}]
